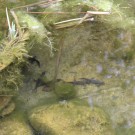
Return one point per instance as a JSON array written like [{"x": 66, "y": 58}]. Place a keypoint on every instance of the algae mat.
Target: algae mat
[
  {"x": 14, "y": 127},
  {"x": 67, "y": 118}
]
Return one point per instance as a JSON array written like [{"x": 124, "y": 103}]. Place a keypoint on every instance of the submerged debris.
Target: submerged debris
[
  {"x": 40, "y": 81},
  {"x": 8, "y": 109},
  {"x": 6, "y": 105},
  {"x": 85, "y": 81},
  {"x": 33, "y": 59},
  {"x": 71, "y": 22}
]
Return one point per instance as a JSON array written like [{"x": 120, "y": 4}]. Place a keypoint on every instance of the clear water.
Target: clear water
[{"x": 93, "y": 50}]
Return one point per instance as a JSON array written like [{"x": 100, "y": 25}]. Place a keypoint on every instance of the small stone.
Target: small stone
[{"x": 9, "y": 109}]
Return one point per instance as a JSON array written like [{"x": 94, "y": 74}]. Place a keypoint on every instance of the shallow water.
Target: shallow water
[{"x": 91, "y": 51}]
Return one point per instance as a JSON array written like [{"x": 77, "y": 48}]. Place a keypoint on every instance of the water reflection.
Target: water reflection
[
  {"x": 99, "y": 68},
  {"x": 90, "y": 102}
]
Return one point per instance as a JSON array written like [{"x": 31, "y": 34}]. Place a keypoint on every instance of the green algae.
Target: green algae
[
  {"x": 65, "y": 90},
  {"x": 30, "y": 22},
  {"x": 11, "y": 59},
  {"x": 37, "y": 30},
  {"x": 14, "y": 127},
  {"x": 70, "y": 118}
]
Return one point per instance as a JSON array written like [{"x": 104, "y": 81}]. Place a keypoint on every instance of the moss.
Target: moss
[
  {"x": 10, "y": 79},
  {"x": 71, "y": 119},
  {"x": 30, "y": 22},
  {"x": 65, "y": 90},
  {"x": 64, "y": 6},
  {"x": 11, "y": 57},
  {"x": 13, "y": 126}
]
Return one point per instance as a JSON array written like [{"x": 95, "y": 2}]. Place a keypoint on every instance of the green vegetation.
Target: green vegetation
[
  {"x": 108, "y": 41},
  {"x": 11, "y": 57},
  {"x": 65, "y": 90},
  {"x": 14, "y": 126},
  {"x": 16, "y": 47},
  {"x": 70, "y": 118}
]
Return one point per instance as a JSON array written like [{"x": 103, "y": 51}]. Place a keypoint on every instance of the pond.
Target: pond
[{"x": 66, "y": 71}]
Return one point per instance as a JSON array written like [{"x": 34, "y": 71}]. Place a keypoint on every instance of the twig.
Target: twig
[
  {"x": 9, "y": 24},
  {"x": 37, "y": 3},
  {"x": 69, "y": 23},
  {"x": 56, "y": 12},
  {"x": 76, "y": 21},
  {"x": 49, "y": 3},
  {"x": 6, "y": 95},
  {"x": 94, "y": 13},
  {"x": 58, "y": 60},
  {"x": 98, "y": 13}
]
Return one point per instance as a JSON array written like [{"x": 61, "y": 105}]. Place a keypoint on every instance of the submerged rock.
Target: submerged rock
[
  {"x": 65, "y": 90},
  {"x": 6, "y": 106},
  {"x": 8, "y": 109},
  {"x": 4, "y": 100},
  {"x": 70, "y": 119},
  {"x": 14, "y": 127}
]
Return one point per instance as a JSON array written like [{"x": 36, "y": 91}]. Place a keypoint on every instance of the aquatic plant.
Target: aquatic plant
[
  {"x": 36, "y": 29},
  {"x": 65, "y": 90},
  {"x": 12, "y": 29},
  {"x": 11, "y": 57},
  {"x": 12, "y": 51},
  {"x": 105, "y": 5},
  {"x": 120, "y": 16},
  {"x": 11, "y": 79}
]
